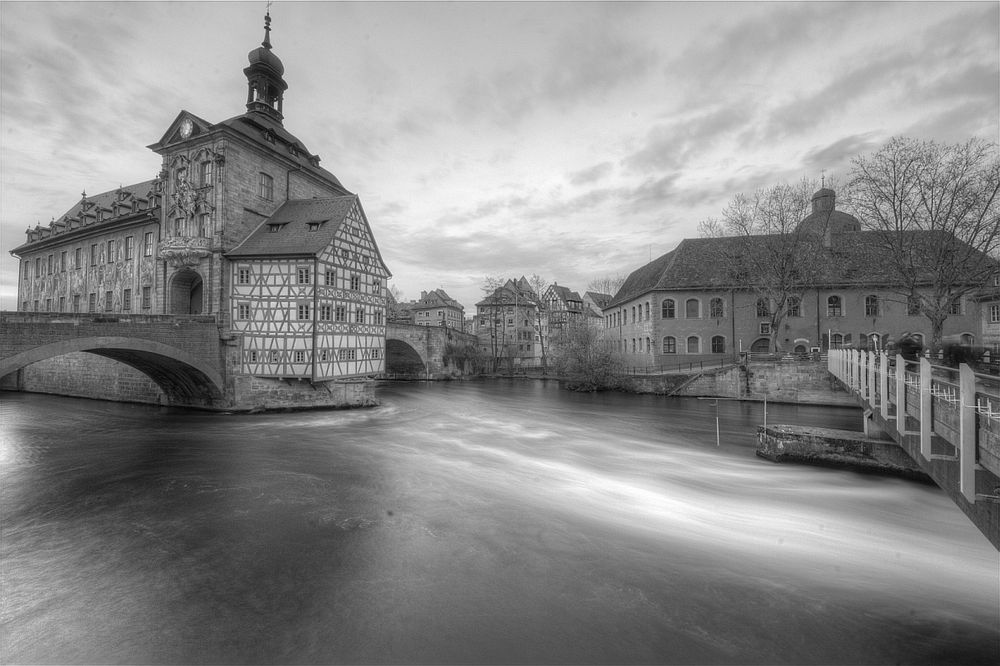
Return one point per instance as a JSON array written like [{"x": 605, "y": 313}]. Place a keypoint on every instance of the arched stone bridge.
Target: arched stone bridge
[
  {"x": 184, "y": 355},
  {"x": 423, "y": 352}
]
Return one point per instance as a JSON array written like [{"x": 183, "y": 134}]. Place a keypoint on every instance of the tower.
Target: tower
[{"x": 265, "y": 85}]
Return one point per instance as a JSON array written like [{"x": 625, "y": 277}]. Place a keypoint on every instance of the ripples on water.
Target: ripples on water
[{"x": 473, "y": 523}]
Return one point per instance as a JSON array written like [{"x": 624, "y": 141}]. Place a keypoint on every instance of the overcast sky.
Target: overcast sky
[{"x": 570, "y": 139}]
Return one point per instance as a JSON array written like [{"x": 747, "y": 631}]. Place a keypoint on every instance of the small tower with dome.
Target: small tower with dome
[{"x": 265, "y": 85}]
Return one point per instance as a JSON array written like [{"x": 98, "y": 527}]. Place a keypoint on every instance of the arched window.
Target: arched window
[
  {"x": 837, "y": 340},
  {"x": 834, "y": 307},
  {"x": 647, "y": 311},
  {"x": 763, "y": 308},
  {"x": 693, "y": 345},
  {"x": 794, "y": 306},
  {"x": 633, "y": 345},
  {"x": 649, "y": 346},
  {"x": 669, "y": 345},
  {"x": 692, "y": 308},
  {"x": 715, "y": 307},
  {"x": 871, "y": 305},
  {"x": 633, "y": 314},
  {"x": 668, "y": 309},
  {"x": 718, "y": 344}
]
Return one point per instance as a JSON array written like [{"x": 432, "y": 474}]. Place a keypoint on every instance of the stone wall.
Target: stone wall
[
  {"x": 84, "y": 375},
  {"x": 262, "y": 394}
]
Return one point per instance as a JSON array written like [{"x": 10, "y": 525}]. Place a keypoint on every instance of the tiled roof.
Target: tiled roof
[
  {"x": 565, "y": 294},
  {"x": 855, "y": 258},
  {"x": 599, "y": 299},
  {"x": 252, "y": 125},
  {"x": 105, "y": 199},
  {"x": 294, "y": 237}
]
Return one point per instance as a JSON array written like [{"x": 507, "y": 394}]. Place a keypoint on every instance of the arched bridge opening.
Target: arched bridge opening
[
  {"x": 402, "y": 360},
  {"x": 184, "y": 379}
]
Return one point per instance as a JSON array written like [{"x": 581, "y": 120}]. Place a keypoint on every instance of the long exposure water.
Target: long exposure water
[{"x": 494, "y": 522}]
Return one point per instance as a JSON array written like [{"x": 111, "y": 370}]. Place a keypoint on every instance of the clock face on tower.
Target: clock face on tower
[{"x": 186, "y": 128}]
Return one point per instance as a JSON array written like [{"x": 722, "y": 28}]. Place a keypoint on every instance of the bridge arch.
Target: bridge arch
[
  {"x": 184, "y": 379},
  {"x": 402, "y": 358}
]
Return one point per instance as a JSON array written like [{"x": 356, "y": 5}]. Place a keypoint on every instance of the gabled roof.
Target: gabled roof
[
  {"x": 597, "y": 298},
  {"x": 565, "y": 293},
  {"x": 293, "y": 237},
  {"x": 436, "y": 298},
  {"x": 854, "y": 258}
]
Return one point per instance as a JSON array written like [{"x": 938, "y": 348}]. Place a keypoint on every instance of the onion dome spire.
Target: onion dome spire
[{"x": 265, "y": 85}]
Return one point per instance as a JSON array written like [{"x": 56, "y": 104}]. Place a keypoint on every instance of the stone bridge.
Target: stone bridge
[
  {"x": 426, "y": 352},
  {"x": 183, "y": 355}
]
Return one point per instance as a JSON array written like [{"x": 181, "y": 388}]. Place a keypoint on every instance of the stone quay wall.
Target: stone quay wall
[{"x": 83, "y": 375}]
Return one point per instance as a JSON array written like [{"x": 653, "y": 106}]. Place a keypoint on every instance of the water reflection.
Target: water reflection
[{"x": 471, "y": 523}]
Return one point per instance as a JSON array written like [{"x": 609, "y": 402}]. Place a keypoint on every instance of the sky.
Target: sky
[{"x": 572, "y": 140}]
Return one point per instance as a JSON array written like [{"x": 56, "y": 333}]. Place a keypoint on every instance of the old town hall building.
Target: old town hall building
[{"x": 241, "y": 223}]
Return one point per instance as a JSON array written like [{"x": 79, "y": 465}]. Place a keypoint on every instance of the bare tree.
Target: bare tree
[
  {"x": 936, "y": 209},
  {"x": 607, "y": 284},
  {"x": 585, "y": 361},
  {"x": 766, "y": 251},
  {"x": 540, "y": 320},
  {"x": 491, "y": 307}
]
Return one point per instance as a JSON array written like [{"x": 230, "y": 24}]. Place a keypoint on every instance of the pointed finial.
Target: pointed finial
[
  {"x": 84, "y": 194},
  {"x": 267, "y": 28},
  {"x": 823, "y": 178}
]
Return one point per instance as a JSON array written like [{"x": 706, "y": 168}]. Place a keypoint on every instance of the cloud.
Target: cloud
[
  {"x": 837, "y": 155},
  {"x": 591, "y": 174},
  {"x": 670, "y": 145}
]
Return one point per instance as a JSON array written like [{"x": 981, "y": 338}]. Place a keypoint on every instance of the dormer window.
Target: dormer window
[
  {"x": 275, "y": 227},
  {"x": 315, "y": 226}
]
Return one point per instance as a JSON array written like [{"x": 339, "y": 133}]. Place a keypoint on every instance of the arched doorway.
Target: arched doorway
[
  {"x": 186, "y": 293},
  {"x": 761, "y": 346}
]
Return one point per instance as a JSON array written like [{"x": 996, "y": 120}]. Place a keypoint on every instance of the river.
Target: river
[{"x": 471, "y": 522}]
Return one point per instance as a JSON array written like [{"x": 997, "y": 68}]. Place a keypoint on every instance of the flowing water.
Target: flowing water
[{"x": 496, "y": 522}]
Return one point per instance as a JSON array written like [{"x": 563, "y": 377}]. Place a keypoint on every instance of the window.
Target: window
[
  {"x": 38, "y": 266},
  {"x": 871, "y": 306},
  {"x": 794, "y": 306},
  {"x": 314, "y": 226},
  {"x": 347, "y": 354},
  {"x": 304, "y": 275},
  {"x": 36, "y": 305},
  {"x": 956, "y": 307},
  {"x": 205, "y": 173},
  {"x": 62, "y": 304},
  {"x": 92, "y": 302},
  {"x": 718, "y": 344},
  {"x": 324, "y": 355},
  {"x": 205, "y": 225},
  {"x": 376, "y": 287},
  {"x": 93, "y": 254},
  {"x": 48, "y": 305},
  {"x": 913, "y": 305},
  {"x": 111, "y": 252},
  {"x": 693, "y": 344},
  {"x": 378, "y": 317},
  {"x": 266, "y": 187},
  {"x": 837, "y": 340},
  {"x": 330, "y": 278},
  {"x": 763, "y": 308},
  {"x": 243, "y": 311},
  {"x": 147, "y": 244},
  {"x": 356, "y": 282},
  {"x": 359, "y": 315},
  {"x": 376, "y": 353},
  {"x": 179, "y": 226},
  {"x": 243, "y": 275},
  {"x": 340, "y": 313},
  {"x": 765, "y": 328},
  {"x": 633, "y": 345},
  {"x": 275, "y": 227},
  {"x": 146, "y": 300},
  {"x": 300, "y": 356},
  {"x": 129, "y": 247},
  {"x": 76, "y": 303},
  {"x": 78, "y": 258},
  {"x": 715, "y": 308},
  {"x": 994, "y": 314},
  {"x": 126, "y": 300},
  {"x": 669, "y": 345},
  {"x": 647, "y": 311},
  {"x": 24, "y": 306},
  {"x": 62, "y": 261},
  {"x": 633, "y": 314},
  {"x": 325, "y": 312},
  {"x": 692, "y": 308},
  {"x": 252, "y": 356},
  {"x": 667, "y": 309},
  {"x": 834, "y": 307},
  {"x": 109, "y": 301},
  {"x": 303, "y": 311}
]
